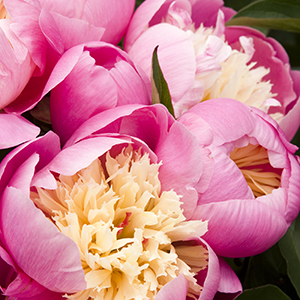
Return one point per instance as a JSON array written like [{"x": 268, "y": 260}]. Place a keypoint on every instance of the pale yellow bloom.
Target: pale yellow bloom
[{"x": 127, "y": 229}]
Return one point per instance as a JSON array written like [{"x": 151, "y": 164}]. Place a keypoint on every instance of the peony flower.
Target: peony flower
[
  {"x": 49, "y": 28},
  {"x": 238, "y": 62},
  {"x": 254, "y": 190},
  {"x": 98, "y": 72},
  {"x": 103, "y": 217}
]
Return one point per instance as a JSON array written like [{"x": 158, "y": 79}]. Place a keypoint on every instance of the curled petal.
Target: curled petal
[{"x": 15, "y": 130}]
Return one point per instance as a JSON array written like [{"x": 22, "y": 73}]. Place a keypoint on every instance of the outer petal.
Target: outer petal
[
  {"x": 140, "y": 21},
  {"x": 210, "y": 277},
  {"x": 26, "y": 27},
  {"x": 15, "y": 158},
  {"x": 46, "y": 255},
  {"x": 107, "y": 14},
  {"x": 206, "y": 12},
  {"x": 176, "y": 289},
  {"x": 174, "y": 45},
  {"x": 238, "y": 228},
  {"x": 60, "y": 33},
  {"x": 230, "y": 286},
  {"x": 15, "y": 130},
  {"x": 16, "y": 64},
  {"x": 291, "y": 121},
  {"x": 182, "y": 166}
]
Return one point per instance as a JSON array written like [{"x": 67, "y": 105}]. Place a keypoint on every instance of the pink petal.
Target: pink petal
[
  {"x": 26, "y": 27},
  {"x": 241, "y": 231},
  {"x": 47, "y": 256},
  {"x": 32, "y": 93},
  {"x": 227, "y": 181},
  {"x": 209, "y": 278},
  {"x": 229, "y": 282},
  {"x": 16, "y": 64},
  {"x": 175, "y": 289},
  {"x": 131, "y": 88},
  {"x": 174, "y": 46},
  {"x": 46, "y": 147},
  {"x": 241, "y": 122},
  {"x": 100, "y": 121},
  {"x": 206, "y": 12},
  {"x": 74, "y": 158},
  {"x": 106, "y": 14},
  {"x": 60, "y": 33},
  {"x": 181, "y": 165},
  {"x": 15, "y": 130},
  {"x": 140, "y": 20},
  {"x": 291, "y": 121}
]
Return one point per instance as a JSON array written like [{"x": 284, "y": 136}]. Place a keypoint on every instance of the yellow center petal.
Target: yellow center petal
[
  {"x": 3, "y": 12},
  {"x": 254, "y": 163},
  {"x": 125, "y": 227}
]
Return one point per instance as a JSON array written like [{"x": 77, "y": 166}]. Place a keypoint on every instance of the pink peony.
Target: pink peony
[
  {"x": 202, "y": 61},
  {"x": 253, "y": 195},
  {"x": 100, "y": 204},
  {"x": 88, "y": 79}
]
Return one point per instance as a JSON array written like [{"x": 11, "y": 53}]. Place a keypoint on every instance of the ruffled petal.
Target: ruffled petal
[{"x": 46, "y": 255}]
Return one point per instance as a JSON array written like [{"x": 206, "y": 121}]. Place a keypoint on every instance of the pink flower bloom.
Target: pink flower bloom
[
  {"x": 74, "y": 208},
  {"x": 201, "y": 62},
  {"x": 49, "y": 28},
  {"x": 254, "y": 190},
  {"x": 88, "y": 79}
]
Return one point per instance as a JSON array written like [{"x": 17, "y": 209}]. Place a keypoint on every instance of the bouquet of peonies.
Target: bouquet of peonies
[{"x": 146, "y": 151}]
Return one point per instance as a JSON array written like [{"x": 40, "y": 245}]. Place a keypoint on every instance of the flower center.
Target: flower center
[
  {"x": 254, "y": 163},
  {"x": 126, "y": 229}
]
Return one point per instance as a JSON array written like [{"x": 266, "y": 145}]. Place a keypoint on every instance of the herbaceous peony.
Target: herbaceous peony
[
  {"x": 202, "y": 60},
  {"x": 253, "y": 195},
  {"x": 99, "y": 72},
  {"x": 105, "y": 216},
  {"x": 49, "y": 28}
]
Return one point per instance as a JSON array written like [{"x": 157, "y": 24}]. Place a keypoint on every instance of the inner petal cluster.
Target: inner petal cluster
[
  {"x": 254, "y": 163},
  {"x": 127, "y": 229}
]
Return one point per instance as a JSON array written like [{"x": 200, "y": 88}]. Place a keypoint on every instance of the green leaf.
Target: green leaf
[
  {"x": 160, "y": 90},
  {"x": 274, "y": 14},
  {"x": 290, "y": 248},
  {"x": 267, "y": 292}
]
